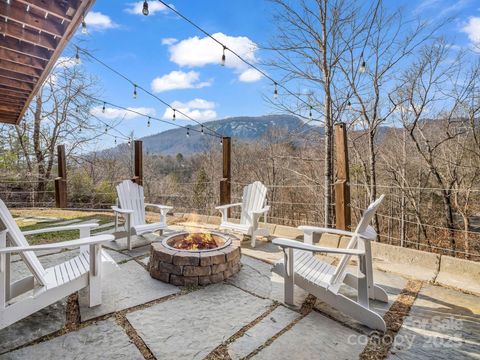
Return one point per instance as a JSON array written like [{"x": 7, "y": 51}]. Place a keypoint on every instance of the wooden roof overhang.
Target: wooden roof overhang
[{"x": 33, "y": 34}]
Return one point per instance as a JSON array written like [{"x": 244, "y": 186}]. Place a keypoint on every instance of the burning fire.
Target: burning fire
[{"x": 196, "y": 241}]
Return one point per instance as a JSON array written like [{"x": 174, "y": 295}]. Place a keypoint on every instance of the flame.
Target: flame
[{"x": 196, "y": 241}]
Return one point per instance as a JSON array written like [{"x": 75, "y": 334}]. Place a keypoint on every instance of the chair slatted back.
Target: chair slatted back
[
  {"x": 16, "y": 237},
  {"x": 130, "y": 196},
  {"x": 364, "y": 229},
  {"x": 254, "y": 198}
]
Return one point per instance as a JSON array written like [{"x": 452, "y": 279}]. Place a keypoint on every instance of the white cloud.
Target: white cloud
[
  {"x": 169, "y": 41},
  {"x": 178, "y": 80},
  {"x": 198, "y": 109},
  {"x": 115, "y": 113},
  {"x": 153, "y": 7},
  {"x": 198, "y": 52},
  {"x": 250, "y": 75},
  {"x": 66, "y": 62},
  {"x": 472, "y": 29},
  {"x": 98, "y": 21}
]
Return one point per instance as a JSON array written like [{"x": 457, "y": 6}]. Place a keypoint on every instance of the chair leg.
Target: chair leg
[
  {"x": 289, "y": 287},
  {"x": 116, "y": 222},
  {"x": 95, "y": 276},
  {"x": 362, "y": 288},
  {"x": 129, "y": 233},
  {"x": 254, "y": 237}
]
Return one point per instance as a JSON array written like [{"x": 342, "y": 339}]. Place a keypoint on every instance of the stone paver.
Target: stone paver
[
  {"x": 391, "y": 283},
  {"x": 256, "y": 336},
  {"x": 129, "y": 286},
  {"x": 104, "y": 340},
  {"x": 314, "y": 337},
  {"x": 256, "y": 277},
  {"x": 138, "y": 251},
  {"x": 191, "y": 326},
  {"x": 443, "y": 323},
  {"x": 120, "y": 242},
  {"x": 263, "y": 250},
  {"x": 43, "y": 322}
]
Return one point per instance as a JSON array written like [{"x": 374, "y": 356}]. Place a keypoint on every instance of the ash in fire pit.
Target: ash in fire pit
[{"x": 194, "y": 258}]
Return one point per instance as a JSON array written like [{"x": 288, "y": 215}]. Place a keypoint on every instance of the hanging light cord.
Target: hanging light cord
[{"x": 83, "y": 51}]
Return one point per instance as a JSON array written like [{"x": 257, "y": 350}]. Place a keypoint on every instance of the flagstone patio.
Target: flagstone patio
[{"x": 244, "y": 317}]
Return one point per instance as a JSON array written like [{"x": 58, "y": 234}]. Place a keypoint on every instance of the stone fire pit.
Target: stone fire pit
[{"x": 194, "y": 267}]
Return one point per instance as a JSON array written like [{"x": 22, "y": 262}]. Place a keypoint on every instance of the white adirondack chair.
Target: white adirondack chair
[
  {"x": 46, "y": 286},
  {"x": 252, "y": 208},
  {"x": 323, "y": 280},
  {"x": 132, "y": 207}
]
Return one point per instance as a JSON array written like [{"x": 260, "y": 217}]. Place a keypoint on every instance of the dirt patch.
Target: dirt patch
[{"x": 379, "y": 345}]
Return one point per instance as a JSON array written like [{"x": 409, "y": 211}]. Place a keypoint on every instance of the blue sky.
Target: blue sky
[{"x": 167, "y": 55}]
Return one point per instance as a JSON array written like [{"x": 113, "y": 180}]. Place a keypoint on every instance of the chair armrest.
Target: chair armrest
[
  {"x": 161, "y": 207},
  {"x": 227, "y": 206},
  {"x": 122, "y": 211},
  {"x": 369, "y": 233},
  {"x": 261, "y": 211},
  {"x": 98, "y": 239},
  {"x": 287, "y": 243},
  {"x": 61, "y": 228}
]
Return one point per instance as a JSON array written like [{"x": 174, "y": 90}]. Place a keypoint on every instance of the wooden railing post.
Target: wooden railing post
[
  {"x": 138, "y": 161},
  {"x": 61, "y": 180},
  {"x": 342, "y": 183},
  {"x": 225, "y": 183}
]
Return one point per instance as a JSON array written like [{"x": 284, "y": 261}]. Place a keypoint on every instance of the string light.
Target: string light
[
  {"x": 188, "y": 132},
  {"x": 134, "y": 91},
  {"x": 275, "y": 92},
  {"x": 103, "y": 108},
  {"x": 363, "y": 65},
  {"x": 77, "y": 58},
  {"x": 129, "y": 142},
  {"x": 106, "y": 129},
  {"x": 145, "y": 8},
  {"x": 310, "y": 115},
  {"x": 115, "y": 141},
  {"x": 223, "y": 56},
  {"x": 148, "y": 122},
  {"x": 174, "y": 116},
  {"x": 221, "y": 141},
  {"x": 77, "y": 109},
  {"x": 84, "y": 25},
  {"x": 203, "y": 133}
]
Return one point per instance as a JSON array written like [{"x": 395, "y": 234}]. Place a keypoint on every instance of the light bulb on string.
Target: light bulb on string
[
  {"x": 174, "y": 116},
  {"x": 310, "y": 115},
  {"x": 103, "y": 108},
  {"x": 115, "y": 141},
  {"x": 203, "y": 133},
  {"x": 363, "y": 65},
  {"x": 134, "y": 91},
  {"x": 148, "y": 122},
  {"x": 275, "y": 91},
  {"x": 106, "y": 129},
  {"x": 84, "y": 25},
  {"x": 77, "y": 57},
  {"x": 145, "y": 8},
  {"x": 349, "y": 104},
  {"x": 188, "y": 132},
  {"x": 129, "y": 142},
  {"x": 77, "y": 110},
  {"x": 223, "y": 56},
  {"x": 221, "y": 141}
]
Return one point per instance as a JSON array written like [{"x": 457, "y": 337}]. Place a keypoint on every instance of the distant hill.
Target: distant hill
[{"x": 243, "y": 128}]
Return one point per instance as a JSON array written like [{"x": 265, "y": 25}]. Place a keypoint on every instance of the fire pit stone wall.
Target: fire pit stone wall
[{"x": 191, "y": 268}]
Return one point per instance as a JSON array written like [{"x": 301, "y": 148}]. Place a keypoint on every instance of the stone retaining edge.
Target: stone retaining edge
[{"x": 436, "y": 268}]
